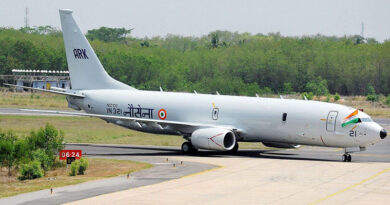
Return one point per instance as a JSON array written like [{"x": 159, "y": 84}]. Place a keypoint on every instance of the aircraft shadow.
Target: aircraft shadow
[
  {"x": 127, "y": 147},
  {"x": 128, "y": 150},
  {"x": 255, "y": 154}
]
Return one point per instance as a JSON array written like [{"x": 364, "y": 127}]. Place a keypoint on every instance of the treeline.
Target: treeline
[{"x": 231, "y": 63}]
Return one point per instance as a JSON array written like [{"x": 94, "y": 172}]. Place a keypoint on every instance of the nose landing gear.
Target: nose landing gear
[{"x": 346, "y": 156}]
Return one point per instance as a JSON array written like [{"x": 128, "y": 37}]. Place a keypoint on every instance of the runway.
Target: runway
[{"x": 309, "y": 175}]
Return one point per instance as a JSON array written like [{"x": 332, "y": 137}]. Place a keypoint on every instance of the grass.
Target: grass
[
  {"x": 87, "y": 130},
  {"x": 10, "y": 186},
  {"x": 374, "y": 109},
  {"x": 32, "y": 100}
]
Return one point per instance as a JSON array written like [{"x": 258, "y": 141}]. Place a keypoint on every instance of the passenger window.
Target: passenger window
[{"x": 284, "y": 117}]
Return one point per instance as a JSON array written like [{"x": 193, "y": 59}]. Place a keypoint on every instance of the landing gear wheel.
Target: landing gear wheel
[
  {"x": 187, "y": 148},
  {"x": 346, "y": 158},
  {"x": 349, "y": 158},
  {"x": 235, "y": 148}
]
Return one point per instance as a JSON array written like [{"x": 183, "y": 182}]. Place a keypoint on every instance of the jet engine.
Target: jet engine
[
  {"x": 280, "y": 145},
  {"x": 213, "y": 139}
]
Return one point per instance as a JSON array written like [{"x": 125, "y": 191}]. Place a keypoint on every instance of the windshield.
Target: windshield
[{"x": 367, "y": 119}]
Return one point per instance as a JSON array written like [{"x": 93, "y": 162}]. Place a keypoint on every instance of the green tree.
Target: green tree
[
  {"x": 48, "y": 139},
  {"x": 287, "y": 88},
  {"x": 12, "y": 150},
  {"x": 371, "y": 94},
  {"x": 31, "y": 170},
  {"x": 318, "y": 87},
  {"x": 214, "y": 40},
  {"x": 83, "y": 165},
  {"x": 109, "y": 34},
  {"x": 44, "y": 160},
  {"x": 336, "y": 97},
  {"x": 74, "y": 167},
  {"x": 370, "y": 90},
  {"x": 387, "y": 101}
]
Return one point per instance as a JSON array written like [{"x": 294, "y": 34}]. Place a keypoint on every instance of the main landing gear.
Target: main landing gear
[
  {"x": 187, "y": 148},
  {"x": 346, "y": 157}
]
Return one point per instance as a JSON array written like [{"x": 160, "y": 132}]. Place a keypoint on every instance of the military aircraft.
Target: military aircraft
[{"x": 211, "y": 122}]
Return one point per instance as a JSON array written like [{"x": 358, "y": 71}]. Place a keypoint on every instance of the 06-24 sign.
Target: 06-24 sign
[{"x": 70, "y": 153}]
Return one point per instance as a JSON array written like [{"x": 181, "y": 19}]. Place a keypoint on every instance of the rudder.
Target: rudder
[{"x": 85, "y": 69}]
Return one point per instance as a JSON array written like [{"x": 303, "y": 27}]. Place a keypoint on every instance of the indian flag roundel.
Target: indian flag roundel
[{"x": 162, "y": 114}]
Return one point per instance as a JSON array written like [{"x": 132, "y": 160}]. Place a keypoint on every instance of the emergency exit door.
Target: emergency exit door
[{"x": 331, "y": 121}]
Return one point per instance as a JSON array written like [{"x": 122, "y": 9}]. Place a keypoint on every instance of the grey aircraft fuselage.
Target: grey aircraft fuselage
[{"x": 259, "y": 119}]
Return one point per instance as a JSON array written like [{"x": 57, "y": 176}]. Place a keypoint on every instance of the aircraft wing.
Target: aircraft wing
[
  {"x": 49, "y": 91},
  {"x": 186, "y": 127}
]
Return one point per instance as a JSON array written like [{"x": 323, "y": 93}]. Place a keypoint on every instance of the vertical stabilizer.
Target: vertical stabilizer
[{"x": 85, "y": 69}]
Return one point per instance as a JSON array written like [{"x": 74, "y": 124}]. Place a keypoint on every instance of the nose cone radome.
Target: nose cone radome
[{"x": 383, "y": 134}]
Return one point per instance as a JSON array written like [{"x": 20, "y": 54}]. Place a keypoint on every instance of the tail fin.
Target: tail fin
[{"x": 85, "y": 69}]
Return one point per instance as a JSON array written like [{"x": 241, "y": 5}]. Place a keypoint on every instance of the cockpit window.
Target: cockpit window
[{"x": 366, "y": 119}]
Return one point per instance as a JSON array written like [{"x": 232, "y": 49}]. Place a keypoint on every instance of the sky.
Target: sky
[{"x": 199, "y": 17}]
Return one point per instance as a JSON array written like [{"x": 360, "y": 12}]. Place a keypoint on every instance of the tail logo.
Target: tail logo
[{"x": 80, "y": 53}]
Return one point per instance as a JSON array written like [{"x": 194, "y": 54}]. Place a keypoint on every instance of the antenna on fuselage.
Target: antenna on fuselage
[
  {"x": 161, "y": 89},
  {"x": 257, "y": 95},
  {"x": 304, "y": 96},
  {"x": 195, "y": 92},
  {"x": 217, "y": 92},
  {"x": 281, "y": 97}
]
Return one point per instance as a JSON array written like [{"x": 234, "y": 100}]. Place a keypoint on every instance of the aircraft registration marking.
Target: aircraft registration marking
[{"x": 131, "y": 111}]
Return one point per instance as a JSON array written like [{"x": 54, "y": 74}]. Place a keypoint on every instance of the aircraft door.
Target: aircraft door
[{"x": 331, "y": 121}]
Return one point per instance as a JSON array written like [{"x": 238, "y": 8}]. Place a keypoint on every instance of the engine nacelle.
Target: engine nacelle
[
  {"x": 280, "y": 145},
  {"x": 213, "y": 139}
]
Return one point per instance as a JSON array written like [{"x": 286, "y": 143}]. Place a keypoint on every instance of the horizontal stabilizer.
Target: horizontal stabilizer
[{"x": 49, "y": 91}]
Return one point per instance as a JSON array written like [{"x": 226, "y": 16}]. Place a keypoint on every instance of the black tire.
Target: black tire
[
  {"x": 186, "y": 147},
  {"x": 349, "y": 158},
  {"x": 344, "y": 158}
]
